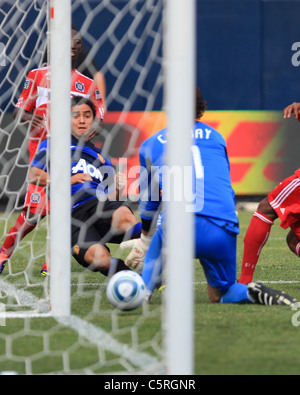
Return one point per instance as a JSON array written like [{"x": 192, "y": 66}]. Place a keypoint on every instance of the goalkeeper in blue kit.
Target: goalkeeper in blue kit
[
  {"x": 215, "y": 219},
  {"x": 98, "y": 217}
]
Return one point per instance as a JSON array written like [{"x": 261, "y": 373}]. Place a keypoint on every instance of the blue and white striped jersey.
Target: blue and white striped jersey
[{"x": 86, "y": 159}]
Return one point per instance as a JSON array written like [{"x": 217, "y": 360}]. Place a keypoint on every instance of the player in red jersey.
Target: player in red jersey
[
  {"x": 283, "y": 203},
  {"x": 33, "y": 107}
]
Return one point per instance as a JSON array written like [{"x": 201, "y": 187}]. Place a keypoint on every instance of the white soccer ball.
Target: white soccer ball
[{"x": 126, "y": 290}]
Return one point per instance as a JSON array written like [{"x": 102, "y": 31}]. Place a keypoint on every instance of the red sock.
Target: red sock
[
  {"x": 297, "y": 250},
  {"x": 256, "y": 237},
  {"x": 21, "y": 228}
]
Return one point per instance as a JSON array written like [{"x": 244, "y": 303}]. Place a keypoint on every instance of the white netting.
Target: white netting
[{"x": 124, "y": 44}]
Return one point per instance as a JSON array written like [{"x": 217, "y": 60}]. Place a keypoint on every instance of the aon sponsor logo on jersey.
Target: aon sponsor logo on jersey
[{"x": 87, "y": 168}]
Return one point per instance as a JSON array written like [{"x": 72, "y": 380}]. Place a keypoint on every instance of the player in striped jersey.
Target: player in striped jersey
[
  {"x": 97, "y": 215},
  {"x": 32, "y": 107}
]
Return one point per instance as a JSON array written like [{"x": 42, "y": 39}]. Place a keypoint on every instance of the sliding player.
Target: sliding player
[
  {"x": 32, "y": 107},
  {"x": 97, "y": 215},
  {"x": 283, "y": 203},
  {"x": 216, "y": 223}
]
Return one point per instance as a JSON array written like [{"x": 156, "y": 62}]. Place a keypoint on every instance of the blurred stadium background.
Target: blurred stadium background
[{"x": 244, "y": 69}]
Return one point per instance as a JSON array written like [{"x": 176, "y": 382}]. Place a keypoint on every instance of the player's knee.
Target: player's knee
[
  {"x": 292, "y": 241},
  {"x": 98, "y": 258},
  {"x": 123, "y": 219},
  {"x": 266, "y": 209},
  {"x": 34, "y": 217},
  {"x": 214, "y": 299},
  {"x": 214, "y": 294}
]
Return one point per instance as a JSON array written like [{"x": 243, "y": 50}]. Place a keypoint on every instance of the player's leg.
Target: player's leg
[
  {"x": 33, "y": 212},
  {"x": 88, "y": 247},
  {"x": 220, "y": 273},
  {"x": 124, "y": 222},
  {"x": 217, "y": 254},
  {"x": 282, "y": 202},
  {"x": 256, "y": 237},
  {"x": 293, "y": 239},
  {"x": 115, "y": 221},
  {"x": 97, "y": 258},
  {"x": 17, "y": 232},
  {"x": 153, "y": 264}
]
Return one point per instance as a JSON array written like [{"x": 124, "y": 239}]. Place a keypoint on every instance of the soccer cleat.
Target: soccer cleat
[
  {"x": 3, "y": 261},
  {"x": 148, "y": 297},
  {"x": 44, "y": 271},
  {"x": 268, "y": 296}
]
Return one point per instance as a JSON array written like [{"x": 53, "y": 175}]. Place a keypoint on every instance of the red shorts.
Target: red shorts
[
  {"x": 285, "y": 200},
  {"x": 36, "y": 200}
]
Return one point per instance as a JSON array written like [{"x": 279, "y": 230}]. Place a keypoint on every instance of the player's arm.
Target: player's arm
[
  {"x": 23, "y": 116},
  {"x": 292, "y": 109},
  {"x": 117, "y": 187},
  {"x": 38, "y": 176},
  {"x": 37, "y": 173},
  {"x": 25, "y": 106},
  {"x": 150, "y": 193},
  {"x": 80, "y": 178},
  {"x": 96, "y": 97},
  {"x": 101, "y": 84}
]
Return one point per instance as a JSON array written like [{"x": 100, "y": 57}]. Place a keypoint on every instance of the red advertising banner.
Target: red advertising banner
[{"x": 255, "y": 142}]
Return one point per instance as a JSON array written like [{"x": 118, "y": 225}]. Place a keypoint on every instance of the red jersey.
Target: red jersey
[
  {"x": 35, "y": 98},
  {"x": 285, "y": 200}
]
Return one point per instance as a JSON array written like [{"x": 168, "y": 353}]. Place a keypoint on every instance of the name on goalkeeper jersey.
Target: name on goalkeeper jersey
[{"x": 199, "y": 133}]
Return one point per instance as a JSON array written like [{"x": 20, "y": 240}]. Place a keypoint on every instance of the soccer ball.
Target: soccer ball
[{"x": 126, "y": 290}]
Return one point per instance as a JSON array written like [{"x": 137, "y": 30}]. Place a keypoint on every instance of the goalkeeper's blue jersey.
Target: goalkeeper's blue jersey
[
  {"x": 88, "y": 159},
  {"x": 212, "y": 188}
]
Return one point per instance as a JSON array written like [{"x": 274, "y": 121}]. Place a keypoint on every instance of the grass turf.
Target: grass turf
[{"x": 229, "y": 339}]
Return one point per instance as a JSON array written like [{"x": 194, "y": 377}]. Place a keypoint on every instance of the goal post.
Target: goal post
[
  {"x": 60, "y": 158},
  {"x": 180, "y": 88},
  {"x": 126, "y": 42}
]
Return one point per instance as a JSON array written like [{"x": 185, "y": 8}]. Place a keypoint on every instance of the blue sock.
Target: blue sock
[
  {"x": 237, "y": 293},
  {"x": 134, "y": 232},
  {"x": 117, "y": 265},
  {"x": 152, "y": 273},
  {"x": 153, "y": 265}
]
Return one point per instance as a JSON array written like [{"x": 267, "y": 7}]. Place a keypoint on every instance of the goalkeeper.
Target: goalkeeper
[
  {"x": 97, "y": 215},
  {"x": 215, "y": 220}
]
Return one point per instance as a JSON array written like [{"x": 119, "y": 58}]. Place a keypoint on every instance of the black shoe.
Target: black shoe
[{"x": 268, "y": 296}]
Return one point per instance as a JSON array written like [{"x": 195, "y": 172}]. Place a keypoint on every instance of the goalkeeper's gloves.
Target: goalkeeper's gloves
[{"x": 139, "y": 247}]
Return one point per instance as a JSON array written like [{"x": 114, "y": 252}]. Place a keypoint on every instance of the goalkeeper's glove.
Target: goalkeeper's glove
[{"x": 139, "y": 247}]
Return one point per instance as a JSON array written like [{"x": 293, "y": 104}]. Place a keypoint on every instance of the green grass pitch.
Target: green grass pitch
[{"x": 229, "y": 339}]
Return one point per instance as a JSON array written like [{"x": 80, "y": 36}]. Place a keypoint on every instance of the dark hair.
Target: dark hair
[
  {"x": 200, "y": 104},
  {"x": 78, "y": 100}
]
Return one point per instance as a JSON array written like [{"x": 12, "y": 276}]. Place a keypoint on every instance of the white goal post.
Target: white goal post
[
  {"x": 180, "y": 69},
  {"x": 180, "y": 78},
  {"x": 60, "y": 139},
  {"x": 145, "y": 49}
]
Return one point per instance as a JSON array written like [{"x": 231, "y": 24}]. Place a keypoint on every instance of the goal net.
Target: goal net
[{"x": 123, "y": 52}]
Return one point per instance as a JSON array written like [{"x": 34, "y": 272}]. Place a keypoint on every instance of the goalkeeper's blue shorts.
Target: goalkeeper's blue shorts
[{"x": 215, "y": 247}]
